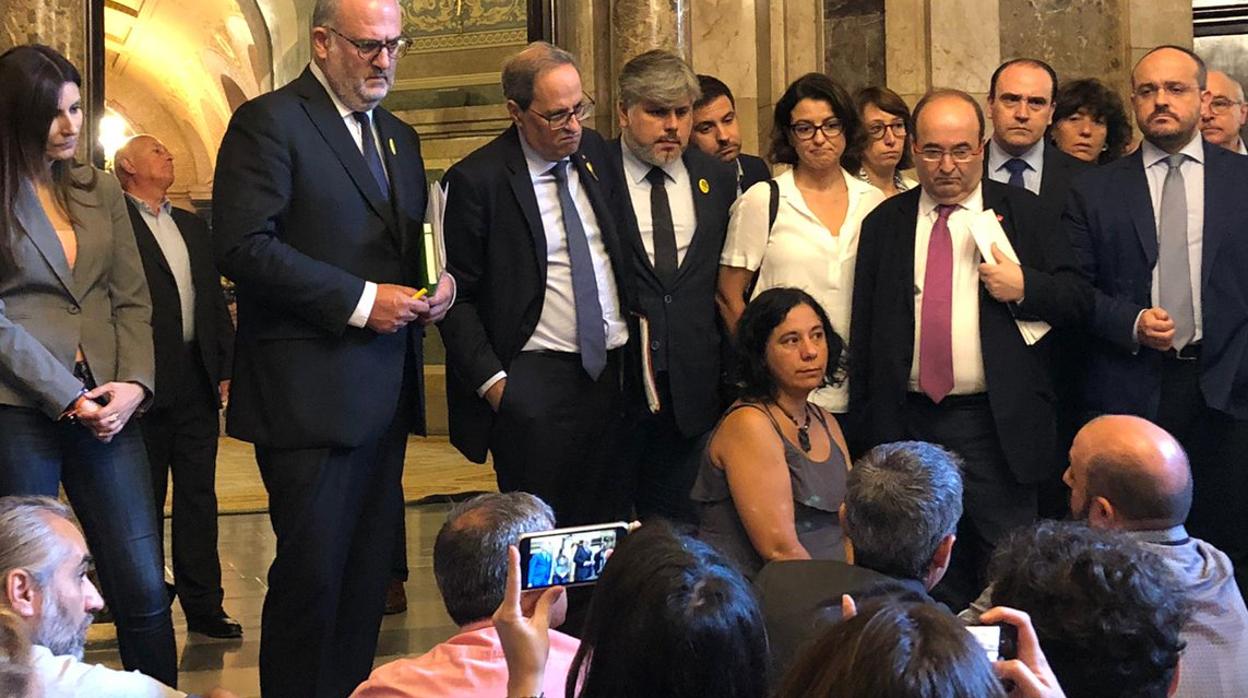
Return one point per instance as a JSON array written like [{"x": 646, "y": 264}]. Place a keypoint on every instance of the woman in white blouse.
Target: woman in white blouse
[{"x": 814, "y": 239}]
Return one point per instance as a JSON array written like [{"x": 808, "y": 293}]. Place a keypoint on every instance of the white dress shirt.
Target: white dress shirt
[
  {"x": 1193, "y": 170},
  {"x": 968, "y": 352},
  {"x": 173, "y": 247},
  {"x": 1034, "y": 157},
  {"x": 65, "y": 677},
  {"x": 1242, "y": 149},
  {"x": 801, "y": 252},
  {"x": 679, "y": 199}
]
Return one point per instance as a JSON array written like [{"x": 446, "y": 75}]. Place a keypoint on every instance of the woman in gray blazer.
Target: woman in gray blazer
[{"x": 76, "y": 354}]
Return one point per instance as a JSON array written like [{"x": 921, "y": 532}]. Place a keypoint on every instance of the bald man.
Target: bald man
[
  {"x": 193, "y": 339},
  {"x": 1223, "y": 116}
]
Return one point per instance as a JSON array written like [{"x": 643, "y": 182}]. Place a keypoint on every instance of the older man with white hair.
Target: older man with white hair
[{"x": 1224, "y": 115}]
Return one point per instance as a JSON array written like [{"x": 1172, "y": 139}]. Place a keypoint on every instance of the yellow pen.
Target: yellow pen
[{"x": 420, "y": 294}]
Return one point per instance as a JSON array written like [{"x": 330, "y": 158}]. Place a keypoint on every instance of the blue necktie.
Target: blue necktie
[
  {"x": 370, "y": 153},
  {"x": 1016, "y": 168},
  {"x": 591, "y": 336}
]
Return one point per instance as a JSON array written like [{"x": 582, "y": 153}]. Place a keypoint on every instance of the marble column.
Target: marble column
[
  {"x": 853, "y": 39},
  {"x": 724, "y": 44},
  {"x": 640, "y": 25}
]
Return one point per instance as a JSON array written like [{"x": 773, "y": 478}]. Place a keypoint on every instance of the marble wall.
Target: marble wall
[{"x": 853, "y": 32}]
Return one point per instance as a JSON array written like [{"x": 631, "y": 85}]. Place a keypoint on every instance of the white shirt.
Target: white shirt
[
  {"x": 66, "y": 677},
  {"x": 679, "y": 199},
  {"x": 1034, "y": 157},
  {"x": 1242, "y": 150},
  {"x": 801, "y": 252},
  {"x": 173, "y": 247},
  {"x": 1193, "y": 171},
  {"x": 968, "y": 353}
]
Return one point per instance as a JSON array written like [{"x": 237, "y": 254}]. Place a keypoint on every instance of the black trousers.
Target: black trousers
[
  {"x": 1216, "y": 444},
  {"x": 667, "y": 462},
  {"x": 335, "y": 514},
  {"x": 993, "y": 501},
  {"x": 558, "y": 435},
  {"x": 182, "y": 440}
]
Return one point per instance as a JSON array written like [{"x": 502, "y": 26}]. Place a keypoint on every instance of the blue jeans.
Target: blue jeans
[{"x": 109, "y": 487}]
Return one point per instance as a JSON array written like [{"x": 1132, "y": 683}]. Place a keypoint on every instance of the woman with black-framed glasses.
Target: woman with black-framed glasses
[
  {"x": 812, "y": 242},
  {"x": 886, "y": 120}
]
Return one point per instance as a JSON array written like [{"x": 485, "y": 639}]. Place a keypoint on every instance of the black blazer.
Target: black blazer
[
  {"x": 1020, "y": 386},
  {"x": 299, "y": 225},
  {"x": 497, "y": 246},
  {"x": 684, "y": 322},
  {"x": 753, "y": 170},
  {"x": 1059, "y": 171},
  {"x": 1110, "y": 221},
  {"x": 214, "y": 331}
]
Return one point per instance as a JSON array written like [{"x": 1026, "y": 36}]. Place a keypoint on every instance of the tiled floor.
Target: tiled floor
[{"x": 246, "y": 546}]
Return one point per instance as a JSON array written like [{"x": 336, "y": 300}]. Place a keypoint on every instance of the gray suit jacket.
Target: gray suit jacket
[{"x": 47, "y": 311}]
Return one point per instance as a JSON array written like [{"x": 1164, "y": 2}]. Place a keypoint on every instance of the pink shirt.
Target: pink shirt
[{"x": 469, "y": 664}]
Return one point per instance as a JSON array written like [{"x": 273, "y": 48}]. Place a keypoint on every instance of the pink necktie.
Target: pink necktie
[{"x": 936, "y": 330}]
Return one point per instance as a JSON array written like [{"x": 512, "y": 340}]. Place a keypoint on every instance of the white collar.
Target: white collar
[
  {"x": 1152, "y": 154},
  {"x": 973, "y": 201},
  {"x": 637, "y": 169},
  {"x": 1034, "y": 156},
  {"x": 343, "y": 110}
]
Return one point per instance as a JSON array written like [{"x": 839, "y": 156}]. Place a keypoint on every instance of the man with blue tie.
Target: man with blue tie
[
  {"x": 1160, "y": 235},
  {"x": 535, "y": 342}
]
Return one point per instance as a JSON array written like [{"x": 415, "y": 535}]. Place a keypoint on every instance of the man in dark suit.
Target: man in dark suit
[
  {"x": 676, "y": 213},
  {"x": 318, "y": 202},
  {"x": 194, "y": 340},
  {"x": 717, "y": 133},
  {"x": 1160, "y": 236},
  {"x": 902, "y": 505},
  {"x": 936, "y": 353},
  {"x": 1021, "y": 98},
  {"x": 535, "y": 343}
]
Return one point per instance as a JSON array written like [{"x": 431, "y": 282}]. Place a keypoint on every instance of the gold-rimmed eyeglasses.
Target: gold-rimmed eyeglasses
[
  {"x": 560, "y": 119},
  {"x": 1219, "y": 105},
  {"x": 368, "y": 49}
]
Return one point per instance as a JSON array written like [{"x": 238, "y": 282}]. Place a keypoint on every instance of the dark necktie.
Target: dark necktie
[
  {"x": 664, "y": 230},
  {"x": 371, "y": 156},
  {"x": 591, "y": 336},
  {"x": 1016, "y": 168},
  {"x": 936, "y": 328},
  {"x": 1174, "y": 273}
]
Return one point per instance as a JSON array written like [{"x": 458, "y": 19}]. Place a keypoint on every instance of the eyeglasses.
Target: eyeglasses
[
  {"x": 368, "y": 49},
  {"x": 876, "y": 130},
  {"x": 804, "y": 130},
  {"x": 961, "y": 154},
  {"x": 562, "y": 118},
  {"x": 1220, "y": 104},
  {"x": 1174, "y": 90}
]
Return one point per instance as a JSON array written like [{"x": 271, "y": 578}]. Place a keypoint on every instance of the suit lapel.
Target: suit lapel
[
  {"x": 631, "y": 231},
  {"x": 1217, "y": 191},
  {"x": 905, "y": 222},
  {"x": 522, "y": 187},
  {"x": 324, "y": 116},
  {"x": 1140, "y": 204},
  {"x": 32, "y": 218},
  {"x": 145, "y": 238},
  {"x": 395, "y": 170},
  {"x": 702, "y": 212}
]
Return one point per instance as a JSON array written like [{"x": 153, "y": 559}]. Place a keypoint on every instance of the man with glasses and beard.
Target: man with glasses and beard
[
  {"x": 43, "y": 567},
  {"x": 1160, "y": 235},
  {"x": 936, "y": 353}
]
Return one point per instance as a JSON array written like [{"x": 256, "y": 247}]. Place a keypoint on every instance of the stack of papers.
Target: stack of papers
[
  {"x": 987, "y": 231},
  {"x": 434, "y": 237}
]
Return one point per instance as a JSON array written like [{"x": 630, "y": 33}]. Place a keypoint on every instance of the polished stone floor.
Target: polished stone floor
[{"x": 246, "y": 546}]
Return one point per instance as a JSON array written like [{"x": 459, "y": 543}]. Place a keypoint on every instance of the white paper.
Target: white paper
[
  {"x": 986, "y": 229},
  {"x": 433, "y": 239}
]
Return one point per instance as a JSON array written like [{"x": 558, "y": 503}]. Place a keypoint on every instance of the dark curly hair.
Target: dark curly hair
[
  {"x": 819, "y": 87},
  {"x": 893, "y": 648},
  {"x": 888, "y": 102},
  {"x": 670, "y": 617},
  {"x": 763, "y": 315},
  {"x": 1092, "y": 97},
  {"x": 1106, "y": 610}
]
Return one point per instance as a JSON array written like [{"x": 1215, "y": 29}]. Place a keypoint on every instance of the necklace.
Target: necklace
[{"x": 803, "y": 430}]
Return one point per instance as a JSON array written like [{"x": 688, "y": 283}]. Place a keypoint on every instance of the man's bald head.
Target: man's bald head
[
  {"x": 1136, "y": 467},
  {"x": 145, "y": 166}
]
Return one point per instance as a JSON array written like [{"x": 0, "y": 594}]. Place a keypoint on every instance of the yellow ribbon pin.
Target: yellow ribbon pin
[
  {"x": 704, "y": 186},
  {"x": 392, "y": 150},
  {"x": 590, "y": 166}
]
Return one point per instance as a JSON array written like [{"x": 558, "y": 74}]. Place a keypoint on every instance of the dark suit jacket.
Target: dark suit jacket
[
  {"x": 1059, "y": 171},
  {"x": 214, "y": 331},
  {"x": 753, "y": 170},
  {"x": 497, "y": 246},
  {"x": 683, "y": 319},
  {"x": 1110, "y": 222},
  {"x": 300, "y": 224},
  {"x": 1020, "y": 387},
  {"x": 801, "y": 598}
]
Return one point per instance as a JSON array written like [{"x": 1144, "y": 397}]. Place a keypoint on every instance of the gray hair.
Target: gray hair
[
  {"x": 902, "y": 499},
  {"x": 521, "y": 71},
  {"x": 27, "y": 541},
  {"x": 470, "y": 552},
  {"x": 660, "y": 77},
  {"x": 324, "y": 12}
]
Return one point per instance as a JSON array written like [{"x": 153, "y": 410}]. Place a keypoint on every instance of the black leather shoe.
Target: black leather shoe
[
  {"x": 396, "y": 598},
  {"x": 215, "y": 625}
]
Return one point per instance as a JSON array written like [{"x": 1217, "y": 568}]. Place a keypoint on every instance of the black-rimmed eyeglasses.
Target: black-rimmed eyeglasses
[
  {"x": 804, "y": 130},
  {"x": 560, "y": 119},
  {"x": 368, "y": 49}
]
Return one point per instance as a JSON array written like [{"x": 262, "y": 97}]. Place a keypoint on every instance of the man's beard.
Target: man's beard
[{"x": 58, "y": 633}]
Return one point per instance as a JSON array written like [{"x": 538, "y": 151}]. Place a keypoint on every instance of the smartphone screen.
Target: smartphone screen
[
  {"x": 999, "y": 641},
  {"x": 567, "y": 556}
]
